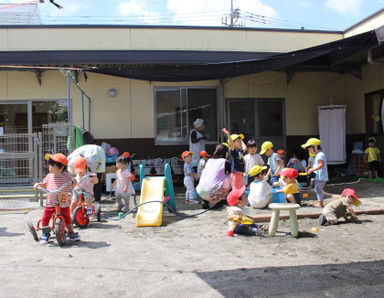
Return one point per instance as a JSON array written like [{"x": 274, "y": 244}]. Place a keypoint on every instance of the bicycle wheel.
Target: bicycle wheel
[
  {"x": 60, "y": 233},
  {"x": 80, "y": 217},
  {"x": 33, "y": 231},
  {"x": 98, "y": 213}
]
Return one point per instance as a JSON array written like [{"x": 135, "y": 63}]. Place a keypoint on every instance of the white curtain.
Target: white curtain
[{"x": 332, "y": 133}]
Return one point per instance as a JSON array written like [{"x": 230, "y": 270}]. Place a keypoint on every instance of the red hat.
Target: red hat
[
  {"x": 280, "y": 151},
  {"x": 80, "y": 165},
  {"x": 234, "y": 195},
  {"x": 58, "y": 157},
  {"x": 185, "y": 154},
  {"x": 290, "y": 173},
  {"x": 204, "y": 153},
  {"x": 351, "y": 192},
  {"x": 126, "y": 154}
]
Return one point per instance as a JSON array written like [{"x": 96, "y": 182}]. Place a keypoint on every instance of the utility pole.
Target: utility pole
[{"x": 231, "y": 14}]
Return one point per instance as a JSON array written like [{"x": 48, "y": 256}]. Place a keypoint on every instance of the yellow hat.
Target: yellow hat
[
  {"x": 266, "y": 145},
  {"x": 256, "y": 170},
  {"x": 311, "y": 142},
  {"x": 236, "y": 136},
  {"x": 226, "y": 145}
]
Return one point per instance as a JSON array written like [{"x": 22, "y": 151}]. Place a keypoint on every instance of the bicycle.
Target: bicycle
[
  {"x": 58, "y": 222},
  {"x": 81, "y": 213}
]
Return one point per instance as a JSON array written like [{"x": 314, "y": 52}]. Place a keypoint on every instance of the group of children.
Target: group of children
[
  {"x": 249, "y": 170},
  {"x": 85, "y": 181}
]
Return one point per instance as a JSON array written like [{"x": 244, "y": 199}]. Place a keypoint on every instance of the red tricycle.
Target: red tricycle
[{"x": 58, "y": 222}]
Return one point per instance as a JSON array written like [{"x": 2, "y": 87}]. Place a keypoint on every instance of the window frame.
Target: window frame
[{"x": 184, "y": 104}]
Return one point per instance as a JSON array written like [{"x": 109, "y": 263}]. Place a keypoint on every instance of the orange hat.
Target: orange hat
[
  {"x": 351, "y": 192},
  {"x": 80, "y": 165},
  {"x": 234, "y": 195},
  {"x": 280, "y": 151},
  {"x": 204, "y": 153},
  {"x": 126, "y": 154},
  {"x": 290, "y": 173},
  {"x": 185, "y": 154},
  {"x": 58, "y": 157}
]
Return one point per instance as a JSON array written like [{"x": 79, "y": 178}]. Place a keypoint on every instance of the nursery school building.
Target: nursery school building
[{"x": 145, "y": 85}]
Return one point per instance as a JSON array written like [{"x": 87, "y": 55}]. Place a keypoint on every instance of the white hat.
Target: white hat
[{"x": 198, "y": 122}]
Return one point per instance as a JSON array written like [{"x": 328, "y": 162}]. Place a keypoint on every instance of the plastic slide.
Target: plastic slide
[{"x": 150, "y": 215}]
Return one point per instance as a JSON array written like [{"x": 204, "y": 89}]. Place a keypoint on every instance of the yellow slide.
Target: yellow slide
[{"x": 150, "y": 215}]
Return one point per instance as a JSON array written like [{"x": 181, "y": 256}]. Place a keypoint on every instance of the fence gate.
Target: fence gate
[{"x": 19, "y": 168}]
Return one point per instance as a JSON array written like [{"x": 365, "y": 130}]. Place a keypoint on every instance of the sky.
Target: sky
[{"x": 289, "y": 14}]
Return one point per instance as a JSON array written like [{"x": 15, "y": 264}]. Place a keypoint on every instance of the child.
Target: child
[
  {"x": 251, "y": 159},
  {"x": 239, "y": 213},
  {"x": 237, "y": 148},
  {"x": 57, "y": 177},
  {"x": 85, "y": 181},
  {"x": 296, "y": 163},
  {"x": 189, "y": 178},
  {"x": 292, "y": 190},
  {"x": 274, "y": 161},
  {"x": 123, "y": 183},
  {"x": 338, "y": 208},
  {"x": 372, "y": 156},
  {"x": 203, "y": 160},
  {"x": 319, "y": 168},
  {"x": 282, "y": 154},
  {"x": 260, "y": 193}
]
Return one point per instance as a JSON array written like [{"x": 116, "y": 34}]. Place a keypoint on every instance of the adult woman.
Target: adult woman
[
  {"x": 197, "y": 140},
  {"x": 214, "y": 182}
]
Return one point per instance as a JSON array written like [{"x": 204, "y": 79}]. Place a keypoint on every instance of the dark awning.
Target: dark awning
[
  {"x": 325, "y": 55},
  {"x": 174, "y": 66}
]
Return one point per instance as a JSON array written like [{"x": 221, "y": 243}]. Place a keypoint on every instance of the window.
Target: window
[
  {"x": 177, "y": 108},
  {"x": 374, "y": 112}
]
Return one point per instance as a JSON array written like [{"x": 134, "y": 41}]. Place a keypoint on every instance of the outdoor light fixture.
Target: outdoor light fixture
[{"x": 112, "y": 92}]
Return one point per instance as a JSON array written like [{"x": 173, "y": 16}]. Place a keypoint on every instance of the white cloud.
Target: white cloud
[
  {"x": 209, "y": 13},
  {"x": 140, "y": 10},
  {"x": 345, "y": 6},
  {"x": 305, "y": 4}
]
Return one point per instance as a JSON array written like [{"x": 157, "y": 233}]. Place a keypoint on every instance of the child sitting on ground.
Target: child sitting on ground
[
  {"x": 292, "y": 190},
  {"x": 274, "y": 161},
  {"x": 85, "y": 181},
  {"x": 251, "y": 159},
  {"x": 238, "y": 215},
  {"x": 204, "y": 156},
  {"x": 340, "y": 207},
  {"x": 124, "y": 188},
  {"x": 260, "y": 192},
  {"x": 189, "y": 178},
  {"x": 372, "y": 156},
  {"x": 57, "y": 177}
]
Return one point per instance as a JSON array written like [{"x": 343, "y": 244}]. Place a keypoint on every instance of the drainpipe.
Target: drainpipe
[
  {"x": 223, "y": 110},
  {"x": 370, "y": 59}
]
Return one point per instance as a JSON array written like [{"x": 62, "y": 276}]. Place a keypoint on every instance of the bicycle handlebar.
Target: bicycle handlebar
[{"x": 55, "y": 191}]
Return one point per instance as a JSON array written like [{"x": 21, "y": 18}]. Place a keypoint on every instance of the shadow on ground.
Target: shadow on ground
[{"x": 360, "y": 279}]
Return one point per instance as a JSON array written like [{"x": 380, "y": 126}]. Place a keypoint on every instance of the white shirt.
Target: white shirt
[
  {"x": 251, "y": 161},
  {"x": 259, "y": 193}
]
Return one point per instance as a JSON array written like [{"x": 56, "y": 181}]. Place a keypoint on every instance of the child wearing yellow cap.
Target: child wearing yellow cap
[
  {"x": 260, "y": 192},
  {"x": 274, "y": 161},
  {"x": 372, "y": 156},
  {"x": 319, "y": 168},
  {"x": 236, "y": 153}
]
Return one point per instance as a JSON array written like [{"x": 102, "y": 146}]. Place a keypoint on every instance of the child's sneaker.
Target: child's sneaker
[
  {"x": 186, "y": 201},
  {"x": 322, "y": 220},
  {"x": 89, "y": 210},
  {"x": 45, "y": 238},
  {"x": 74, "y": 236},
  {"x": 193, "y": 201}
]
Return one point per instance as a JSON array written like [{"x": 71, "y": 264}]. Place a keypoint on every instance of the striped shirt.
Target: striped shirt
[{"x": 53, "y": 183}]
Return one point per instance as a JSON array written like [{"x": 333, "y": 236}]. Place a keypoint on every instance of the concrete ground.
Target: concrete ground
[{"x": 194, "y": 258}]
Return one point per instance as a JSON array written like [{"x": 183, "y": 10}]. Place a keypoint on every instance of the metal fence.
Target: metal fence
[{"x": 22, "y": 162}]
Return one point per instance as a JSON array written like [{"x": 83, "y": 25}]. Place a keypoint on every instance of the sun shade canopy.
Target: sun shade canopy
[{"x": 173, "y": 66}]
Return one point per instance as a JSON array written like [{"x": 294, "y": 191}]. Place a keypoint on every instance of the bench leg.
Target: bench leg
[
  {"x": 274, "y": 223},
  {"x": 293, "y": 223}
]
